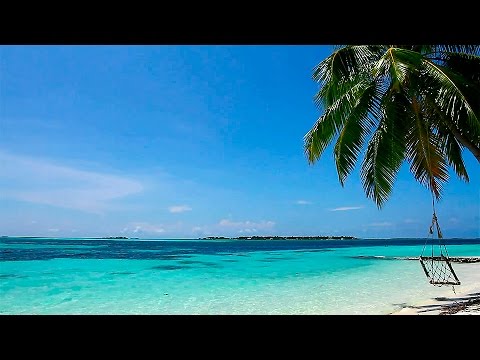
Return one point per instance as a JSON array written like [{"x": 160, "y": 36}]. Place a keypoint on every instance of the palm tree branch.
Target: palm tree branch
[
  {"x": 345, "y": 61},
  {"x": 331, "y": 122},
  {"x": 459, "y": 137},
  {"x": 441, "y": 74},
  {"x": 380, "y": 165},
  {"x": 426, "y": 161},
  {"x": 399, "y": 75},
  {"x": 386, "y": 149},
  {"x": 454, "y": 154},
  {"x": 355, "y": 130}
]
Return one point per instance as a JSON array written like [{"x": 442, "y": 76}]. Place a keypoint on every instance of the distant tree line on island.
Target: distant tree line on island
[
  {"x": 115, "y": 237},
  {"x": 280, "y": 237}
]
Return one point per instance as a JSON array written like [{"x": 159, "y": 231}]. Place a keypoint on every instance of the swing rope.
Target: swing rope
[{"x": 437, "y": 266}]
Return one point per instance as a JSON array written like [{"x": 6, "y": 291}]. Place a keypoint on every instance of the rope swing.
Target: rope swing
[{"x": 437, "y": 266}]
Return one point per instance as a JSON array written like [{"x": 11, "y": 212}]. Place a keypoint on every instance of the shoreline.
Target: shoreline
[{"x": 465, "y": 300}]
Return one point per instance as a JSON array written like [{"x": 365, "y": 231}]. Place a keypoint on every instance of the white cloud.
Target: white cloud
[
  {"x": 53, "y": 230},
  {"x": 144, "y": 227},
  {"x": 261, "y": 225},
  {"x": 227, "y": 222},
  {"x": 224, "y": 227},
  {"x": 411, "y": 221},
  {"x": 39, "y": 181},
  {"x": 247, "y": 231},
  {"x": 179, "y": 208},
  {"x": 245, "y": 226},
  {"x": 148, "y": 229},
  {"x": 227, "y": 227},
  {"x": 303, "y": 202},
  {"x": 347, "y": 208},
  {"x": 453, "y": 220}
]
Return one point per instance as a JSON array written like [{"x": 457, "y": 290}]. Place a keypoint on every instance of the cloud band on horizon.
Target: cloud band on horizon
[
  {"x": 346, "y": 208},
  {"x": 42, "y": 181}
]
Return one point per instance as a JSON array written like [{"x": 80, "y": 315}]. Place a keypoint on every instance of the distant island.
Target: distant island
[{"x": 280, "y": 238}]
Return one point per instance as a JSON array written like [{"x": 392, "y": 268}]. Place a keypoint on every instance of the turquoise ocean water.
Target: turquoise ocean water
[{"x": 98, "y": 276}]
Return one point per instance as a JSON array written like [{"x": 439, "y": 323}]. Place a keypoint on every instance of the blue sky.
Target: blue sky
[{"x": 187, "y": 141}]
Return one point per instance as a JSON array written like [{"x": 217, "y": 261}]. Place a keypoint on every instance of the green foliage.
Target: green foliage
[{"x": 396, "y": 103}]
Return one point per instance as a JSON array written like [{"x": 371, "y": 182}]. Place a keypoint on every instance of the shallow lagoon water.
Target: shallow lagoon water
[{"x": 97, "y": 276}]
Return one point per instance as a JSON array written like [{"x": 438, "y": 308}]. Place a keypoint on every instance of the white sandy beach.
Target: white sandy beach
[{"x": 466, "y": 294}]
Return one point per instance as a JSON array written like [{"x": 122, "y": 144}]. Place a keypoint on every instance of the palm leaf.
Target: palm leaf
[
  {"x": 453, "y": 151},
  {"x": 450, "y": 97},
  {"x": 440, "y": 50},
  {"x": 355, "y": 131},
  {"x": 331, "y": 122},
  {"x": 386, "y": 149},
  {"x": 468, "y": 67},
  {"x": 337, "y": 91},
  {"x": 427, "y": 162},
  {"x": 422, "y": 103},
  {"x": 397, "y": 63},
  {"x": 345, "y": 62},
  {"x": 447, "y": 141}
]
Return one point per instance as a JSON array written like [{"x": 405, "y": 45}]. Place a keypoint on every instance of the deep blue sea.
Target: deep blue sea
[{"x": 100, "y": 276}]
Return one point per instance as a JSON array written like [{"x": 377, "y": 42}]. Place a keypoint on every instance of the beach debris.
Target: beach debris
[
  {"x": 471, "y": 305},
  {"x": 456, "y": 259}
]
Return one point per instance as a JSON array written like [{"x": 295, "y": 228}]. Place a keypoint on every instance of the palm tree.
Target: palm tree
[{"x": 393, "y": 103}]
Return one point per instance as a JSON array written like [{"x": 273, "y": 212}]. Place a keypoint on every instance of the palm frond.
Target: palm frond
[
  {"x": 466, "y": 49},
  {"x": 397, "y": 63},
  {"x": 424, "y": 49},
  {"x": 331, "y": 122},
  {"x": 450, "y": 98},
  {"x": 335, "y": 91},
  {"x": 447, "y": 141},
  {"x": 468, "y": 67},
  {"x": 453, "y": 151},
  {"x": 355, "y": 131},
  {"x": 344, "y": 62},
  {"x": 427, "y": 162},
  {"x": 386, "y": 149},
  {"x": 422, "y": 103}
]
